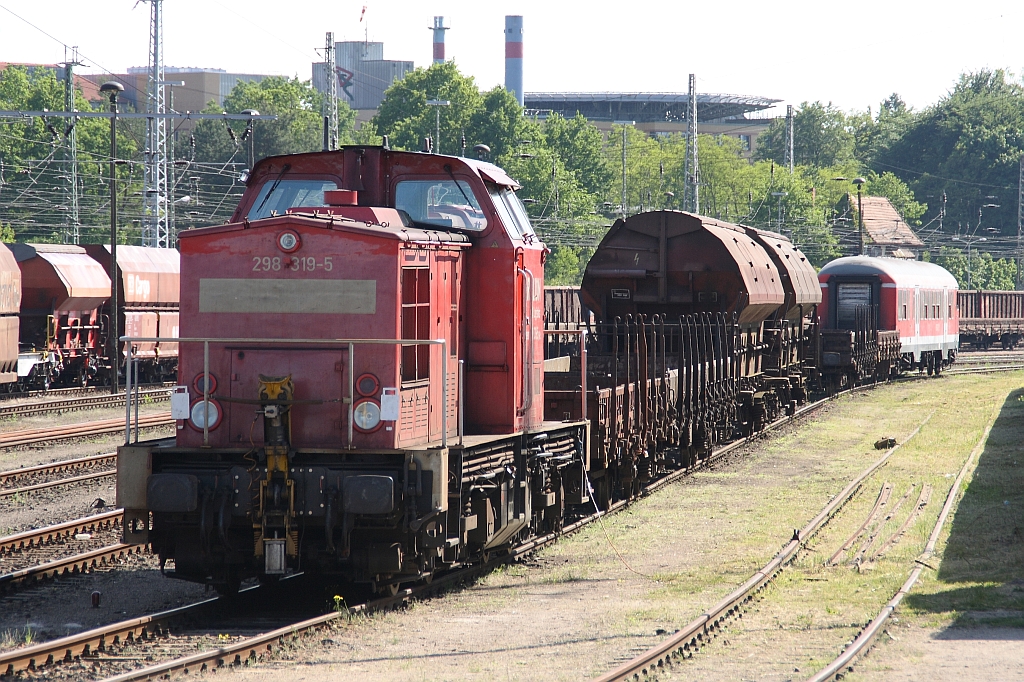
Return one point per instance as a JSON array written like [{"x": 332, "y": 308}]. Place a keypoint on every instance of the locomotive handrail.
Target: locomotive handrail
[{"x": 351, "y": 343}]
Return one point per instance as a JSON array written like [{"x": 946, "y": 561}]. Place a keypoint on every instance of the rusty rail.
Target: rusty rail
[
  {"x": 59, "y": 467},
  {"x": 46, "y": 536},
  {"x": 78, "y": 563},
  {"x": 700, "y": 628},
  {"x": 866, "y": 637},
  {"x": 95, "y": 428},
  {"x": 88, "y": 402}
]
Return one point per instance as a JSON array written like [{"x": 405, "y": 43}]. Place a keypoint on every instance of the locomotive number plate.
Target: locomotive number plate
[{"x": 293, "y": 263}]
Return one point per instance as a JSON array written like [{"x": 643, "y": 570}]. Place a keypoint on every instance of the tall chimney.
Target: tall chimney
[
  {"x": 439, "y": 28},
  {"x": 514, "y": 56}
]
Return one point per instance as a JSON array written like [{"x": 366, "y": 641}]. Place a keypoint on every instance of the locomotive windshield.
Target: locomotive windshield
[
  {"x": 512, "y": 212},
  {"x": 277, "y": 196},
  {"x": 441, "y": 203}
]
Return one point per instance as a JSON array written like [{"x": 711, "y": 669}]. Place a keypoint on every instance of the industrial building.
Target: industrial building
[
  {"x": 660, "y": 113},
  {"x": 201, "y": 86},
  {"x": 363, "y": 74}
]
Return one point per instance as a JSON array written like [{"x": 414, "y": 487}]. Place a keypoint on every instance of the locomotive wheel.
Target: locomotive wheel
[
  {"x": 386, "y": 590},
  {"x": 229, "y": 588}
]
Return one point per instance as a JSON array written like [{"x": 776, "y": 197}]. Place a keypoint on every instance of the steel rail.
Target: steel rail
[
  {"x": 72, "y": 646},
  {"x": 868, "y": 634},
  {"x": 72, "y": 391},
  {"x": 58, "y": 467},
  {"x": 88, "y": 402},
  {"x": 253, "y": 647},
  {"x": 41, "y": 537},
  {"x": 10, "y": 492},
  {"x": 95, "y": 428},
  {"x": 77, "y": 563},
  {"x": 700, "y": 628}
]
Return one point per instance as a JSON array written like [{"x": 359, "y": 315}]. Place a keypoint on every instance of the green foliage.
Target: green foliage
[
  {"x": 968, "y": 146},
  {"x": 985, "y": 272},
  {"x": 563, "y": 266},
  {"x": 822, "y": 136},
  {"x": 406, "y": 118},
  {"x": 580, "y": 146},
  {"x": 33, "y": 162},
  {"x": 876, "y": 136},
  {"x": 299, "y": 127}
]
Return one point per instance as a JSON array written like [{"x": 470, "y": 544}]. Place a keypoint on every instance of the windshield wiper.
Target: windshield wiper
[
  {"x": 448, "y": 169},
  {"x": 287, "y": 167}
]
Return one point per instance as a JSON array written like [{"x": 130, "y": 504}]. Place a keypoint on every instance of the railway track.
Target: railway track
[
  {"x": 705, "y": 627},
  {"x": 72, "y": 391},
  {"x": 86, "y": 402},
  {"x": 12, "y": 439},
  {"x": 120, "y": 649},
  {"x": 29, "y": 479},
  {"x": 106, "y": 650},
  {"x": 77, "y": 546},
  {"x": 864, "y": 640}
]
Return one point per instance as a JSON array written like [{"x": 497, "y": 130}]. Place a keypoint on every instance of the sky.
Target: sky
[{"x": 851, "y": 54}]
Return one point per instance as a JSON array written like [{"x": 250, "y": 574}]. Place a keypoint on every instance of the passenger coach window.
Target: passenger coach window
[
  {"x": 441, "y": 203},
  {"x": 276, "y": 197}
]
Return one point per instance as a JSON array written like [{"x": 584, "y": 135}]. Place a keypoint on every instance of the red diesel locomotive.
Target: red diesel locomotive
[{"x": 346, "y": 288}]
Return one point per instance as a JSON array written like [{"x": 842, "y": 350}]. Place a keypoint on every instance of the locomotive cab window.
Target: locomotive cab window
[
  {"x": 512, "y": 212},
  {"x": 441, "y": 203},
  {"x": 415, "y": 323},
  {"x": 277, "y": 196}
]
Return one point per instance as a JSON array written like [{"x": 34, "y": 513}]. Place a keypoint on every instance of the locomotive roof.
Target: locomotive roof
[
  {"x": 340, "y": 223},
  {"x": 905, "y": 273}
]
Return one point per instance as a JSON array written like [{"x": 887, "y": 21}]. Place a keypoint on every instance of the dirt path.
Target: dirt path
[{"x": 605, "y": 594}]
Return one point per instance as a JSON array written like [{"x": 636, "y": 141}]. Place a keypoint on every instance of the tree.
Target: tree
[
  {"x": 966, "y": 147},
  {"x": 499, "y": 124},
  {"x": 579, "y": 144},
  {"x": 34, "y": 168},
  {"x": 298, "y": 128},
  {"x": 876, "y": 136},
  {"x": 985, "y": 272},
  {"x": 822, "y": 136},
  {"x": 406, "y": 118}
]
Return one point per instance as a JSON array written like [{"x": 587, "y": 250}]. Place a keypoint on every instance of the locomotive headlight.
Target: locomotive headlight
[
  {"x": 366, "y": 415},
  {"x": 288, "y": 241},
  {"x": 208, "y": 418}
]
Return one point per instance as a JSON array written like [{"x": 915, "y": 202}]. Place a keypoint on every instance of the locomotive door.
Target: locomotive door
[
  {"x": 318, "y": 375},
  {"x": 448, "y": 309}
]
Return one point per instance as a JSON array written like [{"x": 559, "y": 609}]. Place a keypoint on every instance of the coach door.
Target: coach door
[
  {"x": 945, "y": 317},
  {"x": 849, "y": 297},
  {"x": 918, "y": 309}
]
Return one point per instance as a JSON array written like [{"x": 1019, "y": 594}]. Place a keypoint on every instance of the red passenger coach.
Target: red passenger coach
[{"x": 917, "y": 299}]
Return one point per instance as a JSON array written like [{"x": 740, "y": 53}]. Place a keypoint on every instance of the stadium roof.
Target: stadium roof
[{"x": 644, "y": 107}]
